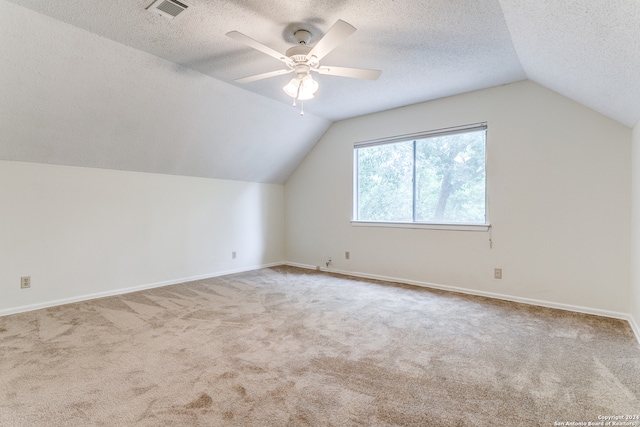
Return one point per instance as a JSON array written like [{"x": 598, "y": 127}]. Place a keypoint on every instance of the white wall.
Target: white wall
[
  {"x": 558, "y": 187},
  {"x": 635, "y": 236},
  {"x": 81, "y": 232}
]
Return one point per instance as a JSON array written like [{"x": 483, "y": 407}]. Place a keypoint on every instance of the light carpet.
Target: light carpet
[{"x": 291, "y": 347}]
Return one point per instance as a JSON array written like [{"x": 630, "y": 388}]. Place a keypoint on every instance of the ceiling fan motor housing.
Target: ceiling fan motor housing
[{"x": 298, "y": 54}]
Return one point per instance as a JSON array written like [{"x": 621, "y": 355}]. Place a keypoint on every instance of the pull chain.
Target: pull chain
[{"x": 301, "y": 102}]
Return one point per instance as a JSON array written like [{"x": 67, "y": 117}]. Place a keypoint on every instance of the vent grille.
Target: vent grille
[{"x": 168, "y": 8}]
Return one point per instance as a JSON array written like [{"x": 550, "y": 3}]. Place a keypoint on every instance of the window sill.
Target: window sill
[{"x": 428, "y": 226}]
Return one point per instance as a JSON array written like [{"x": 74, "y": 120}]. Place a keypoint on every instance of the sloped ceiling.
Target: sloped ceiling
[{"x": 587, "y": 50}]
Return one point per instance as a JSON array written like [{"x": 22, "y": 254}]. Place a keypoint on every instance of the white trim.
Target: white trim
[
  {"x": 529, "y": 301},
  {"x": 634, "y": 327},
  {"x": 423, "y": 225},
  {"x": 422, "y": 135},
  {"x": 122, "y": 291},
  {"x": 312, "y": 267}
]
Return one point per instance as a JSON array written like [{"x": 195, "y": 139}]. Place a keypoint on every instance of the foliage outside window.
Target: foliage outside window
[{"x": 431, "y": 178}]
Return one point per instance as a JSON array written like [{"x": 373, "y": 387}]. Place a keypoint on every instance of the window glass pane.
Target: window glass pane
[
  {"x": 437, "y": 177},
  {"x": 450, "y": 178},
  {"x": 385, "y": 182}
]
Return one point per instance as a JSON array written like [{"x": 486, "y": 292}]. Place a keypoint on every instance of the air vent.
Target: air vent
[{"x": 168, "y": 8}]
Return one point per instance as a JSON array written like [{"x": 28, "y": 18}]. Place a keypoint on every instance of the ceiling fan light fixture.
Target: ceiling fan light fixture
[
  {"x": 308, "y": 88},
  {"x": 302, "y": 59},
  {"x": 291, "y": 88},
  {"x": 301, "y": 88}
]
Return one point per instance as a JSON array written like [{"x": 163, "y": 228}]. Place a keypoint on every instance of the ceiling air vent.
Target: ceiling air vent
[{"x": 168, "y": 8}]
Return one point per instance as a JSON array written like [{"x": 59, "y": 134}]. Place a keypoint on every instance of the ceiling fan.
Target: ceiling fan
[{"x": 303, "y": 59}]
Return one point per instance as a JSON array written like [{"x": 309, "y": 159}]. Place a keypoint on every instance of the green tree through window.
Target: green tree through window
[{"x": 434, "y": 178}]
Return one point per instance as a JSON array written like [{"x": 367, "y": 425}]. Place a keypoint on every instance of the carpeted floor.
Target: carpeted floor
[{"x": 291, "y": 347}]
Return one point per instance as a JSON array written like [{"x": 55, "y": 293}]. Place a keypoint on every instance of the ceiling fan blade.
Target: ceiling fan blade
[
  {"x": 236, "y": 35},
  {"x": 336, "y": 35},
  {"x": 262, "y": 76},
  {"x": 356, "y": 73}
]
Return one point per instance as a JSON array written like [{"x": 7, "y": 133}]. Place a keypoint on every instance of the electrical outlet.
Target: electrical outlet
[
  {"x": 25, "y": 282},
  {"x": 497, "y": 273},
  {"x": 233, "y": 255},
  {"x": 347, "y": 255}
]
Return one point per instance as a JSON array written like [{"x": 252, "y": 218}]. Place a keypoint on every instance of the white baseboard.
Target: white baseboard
[
  {"x": 122, "y": 291},
  {"x": 634, "y": 327},
  {"x": 530, "y": 301}
]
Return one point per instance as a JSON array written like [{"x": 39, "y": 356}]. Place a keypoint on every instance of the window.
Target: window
[{"x": 431, "y": 178}]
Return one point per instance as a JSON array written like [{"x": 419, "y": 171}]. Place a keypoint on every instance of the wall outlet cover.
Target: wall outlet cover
[{"x": 25, "y": 282}]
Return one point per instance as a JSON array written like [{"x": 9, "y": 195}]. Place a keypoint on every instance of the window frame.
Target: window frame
[{"x": 413, "y": 137}]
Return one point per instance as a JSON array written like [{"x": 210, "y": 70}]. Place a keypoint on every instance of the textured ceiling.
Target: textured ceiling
[
  {"x": 425, "y": 49},
  {"x": 587, "y": 50}
]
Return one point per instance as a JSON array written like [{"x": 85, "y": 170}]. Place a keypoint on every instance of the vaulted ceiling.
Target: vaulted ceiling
[{"x": 587, "y": 50}]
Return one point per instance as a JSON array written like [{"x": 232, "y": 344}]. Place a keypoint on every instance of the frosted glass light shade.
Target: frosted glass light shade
[
  {"x": 301, "y": 88},
  {"x": 291, "y": 88}
]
